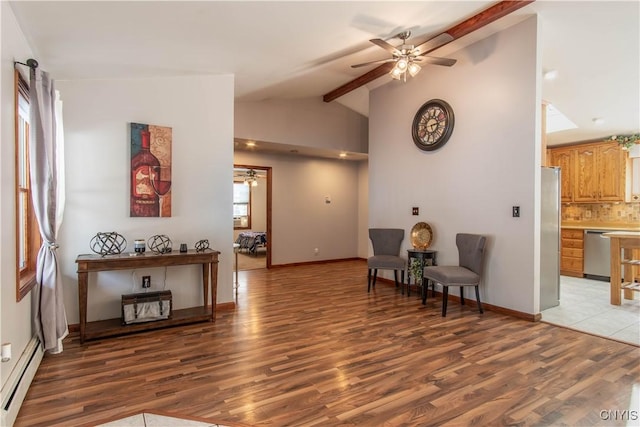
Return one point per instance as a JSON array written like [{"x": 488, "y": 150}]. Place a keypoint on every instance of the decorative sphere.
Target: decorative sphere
[
  {"x": 202, "y": 245},
  {"x": 159, "y": 244},
  {"x": 108, "y": 243}
]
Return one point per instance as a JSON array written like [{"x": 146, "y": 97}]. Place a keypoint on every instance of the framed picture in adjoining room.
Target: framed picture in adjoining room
[{"x": 150, "y": 172}]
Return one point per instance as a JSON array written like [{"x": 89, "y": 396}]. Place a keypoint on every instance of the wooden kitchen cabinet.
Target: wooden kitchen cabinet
[
  {"x": 600, "y": 172},
  {"x": 591, "y": 173},
  {"x": 586, "y": 175},
  {"x": 564, "y": 158},
  {"x": 571, "y": 252},
  {"x": 611, "y": 166}
]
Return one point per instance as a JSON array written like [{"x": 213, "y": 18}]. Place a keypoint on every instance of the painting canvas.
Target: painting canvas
[{"x": 150, "y": 171}]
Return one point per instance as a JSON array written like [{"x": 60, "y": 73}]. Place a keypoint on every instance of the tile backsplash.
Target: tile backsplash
[{"x": 605, "y": 213}]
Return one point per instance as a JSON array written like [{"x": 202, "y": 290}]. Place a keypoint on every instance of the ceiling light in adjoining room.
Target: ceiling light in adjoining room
[
  {"x": 251, "y": 178},
  {"x": 343, "y": 155},
  {"x": 251, "y": 144}
]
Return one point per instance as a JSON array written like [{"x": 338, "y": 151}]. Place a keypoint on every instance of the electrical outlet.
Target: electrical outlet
[
  {"x": 516, "y": 211},
  {"x": 146, "y": 281}
]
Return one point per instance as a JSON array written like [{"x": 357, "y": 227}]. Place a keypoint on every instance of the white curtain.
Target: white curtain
[{"x": 46, "y": 161}]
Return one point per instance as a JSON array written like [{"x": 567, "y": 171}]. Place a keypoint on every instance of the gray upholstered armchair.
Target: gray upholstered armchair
[
  {"x": 468, "y": 272},
  {"x": 386, "y": 253}
]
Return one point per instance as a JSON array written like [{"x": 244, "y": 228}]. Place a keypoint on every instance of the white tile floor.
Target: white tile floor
[{"x": 584, "y": 306}]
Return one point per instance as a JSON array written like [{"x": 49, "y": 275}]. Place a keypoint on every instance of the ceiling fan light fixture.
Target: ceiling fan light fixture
[
  {"x": 402, "y": 63},
  {"x": 414, "y": 69},
  {"x": 405, "y": 56},
  {"x": 252, "y": 182}
]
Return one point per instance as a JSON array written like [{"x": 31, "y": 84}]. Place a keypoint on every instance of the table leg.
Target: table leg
[
  {"x": 82, "y": 303},
  {"x": 628, "y": 271},
  {"x": 615, "y": 272},
  {"x": 214, "y": 289},
  {"x": 205, "y": 283}
]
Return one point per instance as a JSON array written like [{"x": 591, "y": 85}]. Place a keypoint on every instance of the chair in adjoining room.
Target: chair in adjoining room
[
  {"x": 468, "y": 272},
  {"x": 386, "y": 254}
]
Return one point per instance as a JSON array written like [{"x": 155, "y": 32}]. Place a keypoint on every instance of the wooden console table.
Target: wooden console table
[
  {"x": 625, "y": 255},
  {"x": 110, "y": 327}
]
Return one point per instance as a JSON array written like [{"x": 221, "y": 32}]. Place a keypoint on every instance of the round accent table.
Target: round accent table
[{"x": 423, "y": 257}]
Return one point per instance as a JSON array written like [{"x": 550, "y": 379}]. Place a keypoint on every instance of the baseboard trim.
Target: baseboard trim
[
  {"x": 471, "y": 302},
  {"x": 226, "y": 306},
  {"x": 324, "y": 261},
  {"x": 17, "y": 385}
]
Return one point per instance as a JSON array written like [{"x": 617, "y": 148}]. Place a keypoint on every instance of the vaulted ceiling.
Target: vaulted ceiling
[{"x": 295, "y": 49}]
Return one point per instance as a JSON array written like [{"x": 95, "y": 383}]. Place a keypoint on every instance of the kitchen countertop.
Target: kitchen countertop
[
  {"x": 624, "y": 234},
  {"x": 599, "y": 226}
]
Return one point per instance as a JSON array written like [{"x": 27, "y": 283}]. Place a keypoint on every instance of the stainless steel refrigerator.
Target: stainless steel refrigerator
[{"x": 550, "y": 238}]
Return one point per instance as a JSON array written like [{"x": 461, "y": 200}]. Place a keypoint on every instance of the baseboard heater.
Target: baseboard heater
[{"x": 15, "y": 389}]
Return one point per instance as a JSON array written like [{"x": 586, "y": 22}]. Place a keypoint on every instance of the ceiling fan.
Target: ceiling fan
[
  {"x": 249, "y": 176},
  {"x": 407, "y": 56}
]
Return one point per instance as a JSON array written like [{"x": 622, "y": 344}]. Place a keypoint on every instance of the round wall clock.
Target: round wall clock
[{"x": 432, "y": 125}]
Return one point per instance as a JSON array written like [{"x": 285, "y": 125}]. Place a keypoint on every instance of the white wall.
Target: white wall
[
  {"x": 96, "y": 116},
  {"x": 490, "y": 163},
  {"x": 15, "y": 318},
  {"x": 306, "y": 122},
  {"x": 363, "y": 209},
  {"x": 301, "y": 220}
]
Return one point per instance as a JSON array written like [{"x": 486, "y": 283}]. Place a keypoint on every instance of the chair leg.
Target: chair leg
[
  {"x": 445, "y": 297},
  {"x": 395, "y": 279},
  {"x": 369, "y": 281},
  {"x": 461, "y": 295},
  {"x": 375, "y": 276},
  {"x": 478, "y": 299}
]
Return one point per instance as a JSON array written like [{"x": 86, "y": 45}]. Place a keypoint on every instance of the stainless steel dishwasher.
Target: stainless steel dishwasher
[{"x": 597, "y": 255}]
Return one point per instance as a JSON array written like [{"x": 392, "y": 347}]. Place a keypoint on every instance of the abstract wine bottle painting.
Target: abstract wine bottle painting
[{"x": 150, "y": 171}]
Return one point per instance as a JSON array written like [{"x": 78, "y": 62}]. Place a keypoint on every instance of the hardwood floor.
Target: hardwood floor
[
  {"x": 308, "y": 346},
  {"x": 252, "y": 262}
]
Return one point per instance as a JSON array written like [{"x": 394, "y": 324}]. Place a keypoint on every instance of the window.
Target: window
[
  {"x": 241, "y": 205},
  {"x": 27, "y": 233}
]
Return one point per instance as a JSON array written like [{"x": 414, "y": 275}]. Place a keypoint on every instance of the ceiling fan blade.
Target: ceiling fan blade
[
  {"x": 447, "y": 62},
  {"x": 380, "y": 61},
  {"x": 386, "y": 46},
  {"x": 433, "y": 43}
]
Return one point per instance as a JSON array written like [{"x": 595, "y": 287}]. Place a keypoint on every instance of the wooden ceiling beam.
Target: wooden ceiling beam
[{"x": 467, "y": 26}]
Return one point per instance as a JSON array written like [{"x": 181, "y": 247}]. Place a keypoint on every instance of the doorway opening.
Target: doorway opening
[{"x": 252, "y": 216}]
